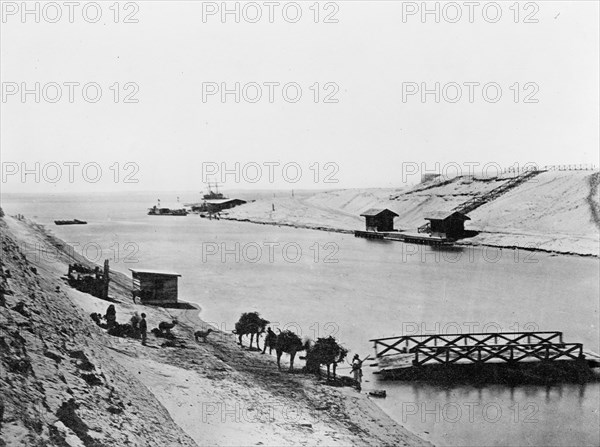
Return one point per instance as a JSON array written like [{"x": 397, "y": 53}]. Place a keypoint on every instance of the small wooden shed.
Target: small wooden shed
[
  {"x": 155, "y": 287},
  {"x": 379, "y": 219},
  {"x": 450, "y": 224}
]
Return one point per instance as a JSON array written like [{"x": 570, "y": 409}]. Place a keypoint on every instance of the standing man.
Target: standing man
[
  {"x": 135, "y": 324},
  {"x": 270, "y": 339},
  {"x": 357, "y": 371},
  {"x": 111, "y": 317},
  {"x": 143, "y": 328}
]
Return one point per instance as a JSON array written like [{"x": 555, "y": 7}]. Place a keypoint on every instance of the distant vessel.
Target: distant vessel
[
  {"x": 214, "y": 195},
  {"x": 214, "y": 202},
  {"x": 158, "y": 210},
  {"x": 70, "y": 222}
]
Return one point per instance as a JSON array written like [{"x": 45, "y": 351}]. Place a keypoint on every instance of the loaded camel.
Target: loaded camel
[
  {"x": 250, "y": 323},
  {"x": 290, "y": 343},
  {"x": 326, "y": 351}
]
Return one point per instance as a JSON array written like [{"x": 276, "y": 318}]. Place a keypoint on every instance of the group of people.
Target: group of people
[
  {"x": 140, "y": 326},
  {"x": 138, "y": 322}
]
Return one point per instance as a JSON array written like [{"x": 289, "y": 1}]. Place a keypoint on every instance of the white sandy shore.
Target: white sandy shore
[{"x": 555, "y": 211}]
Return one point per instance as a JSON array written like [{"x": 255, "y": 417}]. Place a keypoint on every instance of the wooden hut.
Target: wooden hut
[
  {"x": 447, "y": 224},
  {"x": 155, "y": 287},
  {"x": 379, "y": 219}
]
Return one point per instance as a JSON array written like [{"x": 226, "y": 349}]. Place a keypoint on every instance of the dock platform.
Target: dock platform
[
  {"x": 417, "y": 355},
  {"x": 413, "y": 238}
]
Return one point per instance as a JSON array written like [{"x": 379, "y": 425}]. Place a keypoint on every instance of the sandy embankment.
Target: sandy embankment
[
  {"x": 556, "y": 211},
  {"x": 214, "y": 392}
]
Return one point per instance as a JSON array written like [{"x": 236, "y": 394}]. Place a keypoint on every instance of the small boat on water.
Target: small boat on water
[
  {"x": 158, "y": 210},
  {"x": 378, "y": 393},
  {"x": 70, "y": 222}
]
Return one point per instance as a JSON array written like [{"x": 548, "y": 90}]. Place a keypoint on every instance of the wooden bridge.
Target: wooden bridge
[{"x": 418, "y": 351}]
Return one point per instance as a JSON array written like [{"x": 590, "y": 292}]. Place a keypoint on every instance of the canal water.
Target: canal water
[{"x": 319, "y": 284}]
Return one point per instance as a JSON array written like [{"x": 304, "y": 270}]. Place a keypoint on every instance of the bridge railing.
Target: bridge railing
[
  {"x": 498, "y": 353},
  {"x": 410, "y": 343}
]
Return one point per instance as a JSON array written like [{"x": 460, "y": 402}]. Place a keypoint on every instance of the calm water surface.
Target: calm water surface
[{"x": 320, "y": 284}]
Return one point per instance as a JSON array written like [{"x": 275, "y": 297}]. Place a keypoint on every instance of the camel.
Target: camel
[
  {"x": 289, "y": 342},
  {"x": 326, "y": 351},
  {"x": 202, "y": 334},
  {"x": 166, "y": 327},
  {"x": 250, "y": 323}
]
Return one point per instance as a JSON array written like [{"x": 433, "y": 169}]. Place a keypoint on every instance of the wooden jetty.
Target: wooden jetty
[
  {"x": 488, "y": 354},
  {"x": 412, "y": 238},
  {"x": 379, "y": 224}
]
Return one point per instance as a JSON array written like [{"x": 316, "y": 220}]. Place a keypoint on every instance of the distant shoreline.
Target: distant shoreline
[
  {"x": 291, "y": 225},
  {"x": 460, "y": 243}
]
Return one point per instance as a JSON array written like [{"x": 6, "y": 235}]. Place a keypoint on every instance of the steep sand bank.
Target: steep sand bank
[
  {"x": 59, "y": 384},
  {"x": 66, "y": 382},
  {"x": 555, "y": 211}
]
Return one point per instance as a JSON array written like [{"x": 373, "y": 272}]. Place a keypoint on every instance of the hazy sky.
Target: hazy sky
[{"x": 366, "y": 61}]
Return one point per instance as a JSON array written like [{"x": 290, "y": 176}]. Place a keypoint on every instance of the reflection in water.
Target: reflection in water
[{"x": 558, "y": 414}]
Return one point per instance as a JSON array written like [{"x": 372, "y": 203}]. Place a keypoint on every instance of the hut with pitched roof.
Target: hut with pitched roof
[{"x": 379, "y": 219}]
